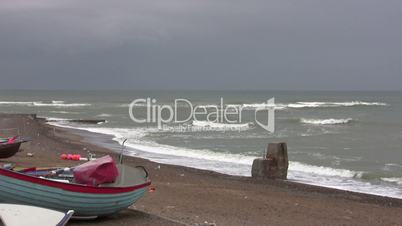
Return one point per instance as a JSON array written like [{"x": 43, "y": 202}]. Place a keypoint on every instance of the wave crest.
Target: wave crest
[
  {"x": 104, "y": 115},
  {"x": 334, "y": 104},
  {"x": 396, "y": 180},
  {"x": 330, "y": 121},
  {"x": 53, "y": 103},
  {"x": 221, "y": 126},
  {"x": 323, "y": 171},
  {"x": 299, "y": 105},
  {"x": 23, "y": 103},
  {"x": 58, "y": 104}
]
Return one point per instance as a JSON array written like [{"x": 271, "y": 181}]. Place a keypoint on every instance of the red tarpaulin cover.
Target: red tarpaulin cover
[
  {"x": 95, "y": 172},
  {"x": 11, "y": 140}
]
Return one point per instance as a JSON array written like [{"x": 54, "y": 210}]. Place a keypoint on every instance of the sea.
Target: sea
[{"x": 345, "y": 140}]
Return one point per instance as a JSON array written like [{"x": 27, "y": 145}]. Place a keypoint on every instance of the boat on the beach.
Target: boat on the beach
[
  {"x": 23, "y": 215},
  {"x": 10, "y": 146},
  {"x": 58, "y": 189}
]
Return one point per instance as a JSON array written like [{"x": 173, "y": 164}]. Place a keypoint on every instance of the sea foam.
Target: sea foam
[
  {"x": 104, "y": 115},
  {"x": 221, "y": 126},
  {"x": 44, "y": 103},
  {"x": 299, "y": 105},
  {"x": 23, "y": 103},
  {"x": 58, "y": 104},
  {"x": 333, "y": 104},
  {"x": 326, "y": 121},
  {"x": 396, "y": 180},
  {"x": 238, "y": 164}
]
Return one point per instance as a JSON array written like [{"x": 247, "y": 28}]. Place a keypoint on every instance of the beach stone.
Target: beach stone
[{"x": 274, "y": 165}]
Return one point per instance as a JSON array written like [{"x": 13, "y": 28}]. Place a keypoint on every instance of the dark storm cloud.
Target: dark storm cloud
[{"x": 201, "y": 44}]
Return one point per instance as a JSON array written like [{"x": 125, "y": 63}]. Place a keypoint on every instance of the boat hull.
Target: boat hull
[
  {"x": 8, "y": 150},
  {"x": 93, "y": 201}
]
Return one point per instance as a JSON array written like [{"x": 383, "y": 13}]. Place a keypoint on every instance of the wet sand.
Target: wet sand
[{"x": 195, "y": 197}]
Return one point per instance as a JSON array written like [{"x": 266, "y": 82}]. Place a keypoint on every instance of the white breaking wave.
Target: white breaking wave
[
  {"x": 237, "y": 164},
  {"x": 58, "y": 104},
  {"x": 208, "y": 106},
  {"x": 324, "y": 171},
  {"x": 23, "y": 103},
  {"x": 262, "y": 105},
  {"x": 44, "y": 104},
  {"x": 104, "y": 115},
  {"x": 60, "y": 112},
  {"x": 136, "y": 140},
  {"x": 326, "y": 121},
  {"x": 257, "y": 106},
  {"x": 305, "y": 105},
  {"x": 298, "y": 105},
  {"x": 54, "y": 119},
  {"x": 198, "y": 158},
  {"x": 396, "y": 180},
  {"x": 334, "y": 104},
  {"x": 360, "y": 103},
  {"x": 280, "y": 106},
  {"x": 221, "y": 126},
  {"x": 64, "y": 112}
]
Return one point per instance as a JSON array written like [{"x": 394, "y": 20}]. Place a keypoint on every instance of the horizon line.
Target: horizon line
[{"x": 212, "y": 90}]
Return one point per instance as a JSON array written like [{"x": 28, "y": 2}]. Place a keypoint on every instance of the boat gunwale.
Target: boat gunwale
[{"x": 72, "y": 187}]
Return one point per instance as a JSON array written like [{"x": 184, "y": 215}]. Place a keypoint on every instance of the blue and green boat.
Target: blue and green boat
[{"x": 20, "y": 187}]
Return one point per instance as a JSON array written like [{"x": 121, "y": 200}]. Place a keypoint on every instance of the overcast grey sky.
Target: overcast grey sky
[{"x": 201, "y": 44}]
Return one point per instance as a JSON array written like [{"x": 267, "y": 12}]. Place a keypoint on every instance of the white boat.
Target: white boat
[{"x": 22, "y": 215}]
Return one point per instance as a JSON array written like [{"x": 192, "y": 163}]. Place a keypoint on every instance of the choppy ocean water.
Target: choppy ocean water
[{"x": 345, "y": 140}]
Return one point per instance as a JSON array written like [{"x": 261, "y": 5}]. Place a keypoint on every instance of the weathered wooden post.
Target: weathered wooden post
[{"x": 275, "y": 163}]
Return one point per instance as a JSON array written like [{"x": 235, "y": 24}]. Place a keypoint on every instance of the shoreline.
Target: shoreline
[
  {"x": 101, "y": 138},
  {"x": 90, "y": 137},
  {"x": 196, "y": 196}
]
